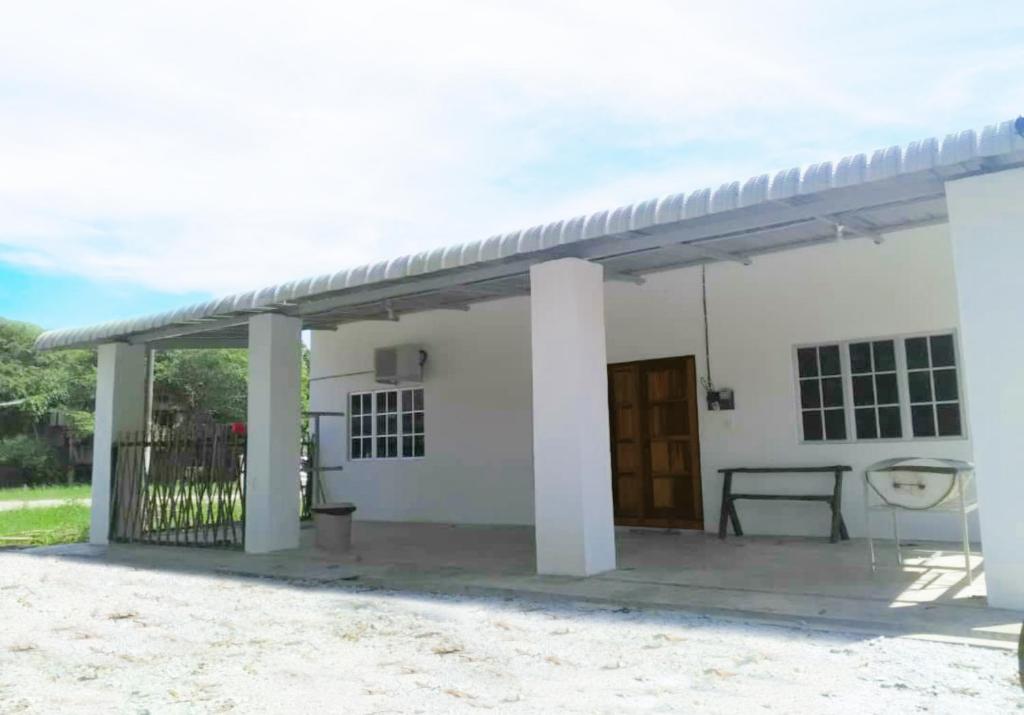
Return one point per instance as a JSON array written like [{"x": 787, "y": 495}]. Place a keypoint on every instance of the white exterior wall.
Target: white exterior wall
[
  {"x": 479, "y": 463},
  {"x": 478, "y": 467}
]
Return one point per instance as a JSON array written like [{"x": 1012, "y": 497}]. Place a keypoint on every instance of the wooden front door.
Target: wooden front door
[{"x": 655, "y": 447}]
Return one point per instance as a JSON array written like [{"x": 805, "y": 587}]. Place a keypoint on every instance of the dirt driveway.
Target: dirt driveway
[{"x": 91, "y": 637}]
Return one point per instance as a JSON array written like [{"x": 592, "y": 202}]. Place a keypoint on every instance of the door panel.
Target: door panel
[
  {"x": 627, "y": 448},
  {"x": 655, "y": 446}
]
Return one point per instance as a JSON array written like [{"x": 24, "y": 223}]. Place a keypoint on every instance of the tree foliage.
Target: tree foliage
[
  {"x": 203, "y": 383},
  {"x": 210, "y": 384},
  {"x": 34, "y": 383},
  {"x": 36, "y": 458}
]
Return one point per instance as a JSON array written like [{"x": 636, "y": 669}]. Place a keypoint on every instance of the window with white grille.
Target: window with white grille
[
  {"x": 387, "y": 424},
  {"x": 893, "y": 388}
]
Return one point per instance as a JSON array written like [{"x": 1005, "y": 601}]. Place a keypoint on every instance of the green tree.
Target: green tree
[
  {"x": 203, "y": 383},
  {"x": 210, "y": 383},
  {"x": 34, "y": 383}
]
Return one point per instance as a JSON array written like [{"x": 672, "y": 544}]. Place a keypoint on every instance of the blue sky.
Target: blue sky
[{"x": 153, "y": 155}]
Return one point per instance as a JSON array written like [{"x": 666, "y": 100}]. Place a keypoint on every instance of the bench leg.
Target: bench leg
[
  {"x": 723, "y": 517},
  {"x": 734, "y": 517},
  {"x": 837, "y": 516}
]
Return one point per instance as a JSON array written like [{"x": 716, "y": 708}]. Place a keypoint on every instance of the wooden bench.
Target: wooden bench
[{"x": 834, "y": 500}]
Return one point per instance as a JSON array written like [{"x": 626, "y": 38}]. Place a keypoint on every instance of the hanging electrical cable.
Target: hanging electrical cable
[
  {"x": 706, "y": 382},
  {"x": 718, "y": 399}
]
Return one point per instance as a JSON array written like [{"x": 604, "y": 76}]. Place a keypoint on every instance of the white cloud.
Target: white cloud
[{"x": 221, "y": 146}]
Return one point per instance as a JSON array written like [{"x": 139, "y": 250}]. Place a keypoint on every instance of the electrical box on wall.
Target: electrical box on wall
[
  {"x": 721, "y": 398},
  {"x": 400, "y": 363}
]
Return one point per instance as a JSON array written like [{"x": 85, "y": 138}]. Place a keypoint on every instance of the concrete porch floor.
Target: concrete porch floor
[{"x": 793, "y": 581}]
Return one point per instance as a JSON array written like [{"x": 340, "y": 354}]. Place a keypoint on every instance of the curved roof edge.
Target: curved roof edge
[{"x": 924, "y": 155}]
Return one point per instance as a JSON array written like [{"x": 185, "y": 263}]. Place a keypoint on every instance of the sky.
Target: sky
[{"x": 157, "y": 154}]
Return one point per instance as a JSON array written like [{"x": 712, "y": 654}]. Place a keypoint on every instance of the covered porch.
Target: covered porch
[{"x": 967, "y": 183}]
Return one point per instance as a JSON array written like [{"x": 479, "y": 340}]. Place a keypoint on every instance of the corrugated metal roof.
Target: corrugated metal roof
[{"x": 868, "y": 194}]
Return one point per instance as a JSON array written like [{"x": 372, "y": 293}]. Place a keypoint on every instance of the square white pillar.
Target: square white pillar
[
  {"x": 986, "y": 220},
  {"x": 273, "y": 433},
  {"x": 574, "y": 524},
  {"x": 121, "y": 376}
]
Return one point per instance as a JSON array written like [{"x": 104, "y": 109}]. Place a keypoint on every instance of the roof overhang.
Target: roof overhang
[{"x": 860, "y": 197}]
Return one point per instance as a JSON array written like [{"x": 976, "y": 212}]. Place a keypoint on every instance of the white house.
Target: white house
[{"x": 557, "y": 376}]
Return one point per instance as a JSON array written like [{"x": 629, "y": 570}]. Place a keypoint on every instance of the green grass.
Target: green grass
[
  {"x": 78, "y": 491},
  {"x": 44, "y": 526}
]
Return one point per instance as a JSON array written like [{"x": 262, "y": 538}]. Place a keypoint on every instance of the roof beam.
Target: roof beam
[
  {"x": 194, "y": 328},
  {"x": 611, "y": 274},
  {"x": 463, "y": 307},
  {"x": 719, "y": 254},
  {"x": 698, "y": 250},
  {"x": 853, "y": 225}
]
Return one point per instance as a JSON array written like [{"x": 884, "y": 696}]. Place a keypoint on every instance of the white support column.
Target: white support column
[
  {"x": 986, "y": 220},
  {"x": 121, "y": 372},
  {"x": 272, "y": 453},
  {"x": 575, "y": 529}
]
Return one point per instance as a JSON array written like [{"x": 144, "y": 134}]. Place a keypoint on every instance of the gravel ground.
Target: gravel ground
[{"x": 88, "y": 637}]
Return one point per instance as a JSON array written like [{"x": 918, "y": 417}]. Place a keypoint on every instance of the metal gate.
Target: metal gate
[{"x": 182, "y": 487}]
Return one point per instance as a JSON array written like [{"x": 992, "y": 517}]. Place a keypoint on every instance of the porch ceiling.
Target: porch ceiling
[{"x": 860, "y": 197}]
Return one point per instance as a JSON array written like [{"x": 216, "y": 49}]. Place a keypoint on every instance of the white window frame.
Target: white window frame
[
  {"x": 901, "y": 384},
  {"x": 398, "y": 435}
]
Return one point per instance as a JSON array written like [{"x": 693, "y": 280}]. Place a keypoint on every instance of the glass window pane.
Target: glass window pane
[
  {"x": 367, "y": 426},
  {"x": 920, "y": 384},
  {"x": 392, "y": 424},
  {"x": 382, "y": 402},
  {"x": 917, "y": 353},
  {"x": 419, "y": 448},
  {"x": 949, "y": 420},
  {"x": 890, "y": 426},
  {"x": 357, "y": 449},
  {"x": 863, "y": 390},
  {"x": 829, "y": 359},
  {"x": 393, "y": 445},
  {"x": 382, "y": 424},
  {"x": 356, "y": 402},
  {"x": 945, "y": 385},
  {"x": 406, "y": 446},
  {"x": 406, "y": 423},
  {"x": 357, "y": 426},
  {"x": 832, "y": 392},
  {"x": 367, "y": 447},
  {"x": 417, "y": 399},
  {"x": 418, "y": 422},
  {"x": 810, "y": 395},
  {"x": 923, "y": 419},
  {"x": 885, "y": 355},
  {"x": 812, "y": 426},
  {"x": 943, "y": 353},
  {"x": 392, "y": 401},
  {"x": 406, "y": 400},
  {"x": 367, "y": 403},
  {"x": 835, "y": 424},
  {"x": 382, "y": 447},
  {"x": 866, "y": 423},
  {"x": 807, "y": 362},
  {"x": 860, "y": 357},
  {"x": 886, "y": 390}
]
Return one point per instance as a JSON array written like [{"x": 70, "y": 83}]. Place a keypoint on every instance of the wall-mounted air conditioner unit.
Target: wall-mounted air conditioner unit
[{"x": 400, "y": 363}]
